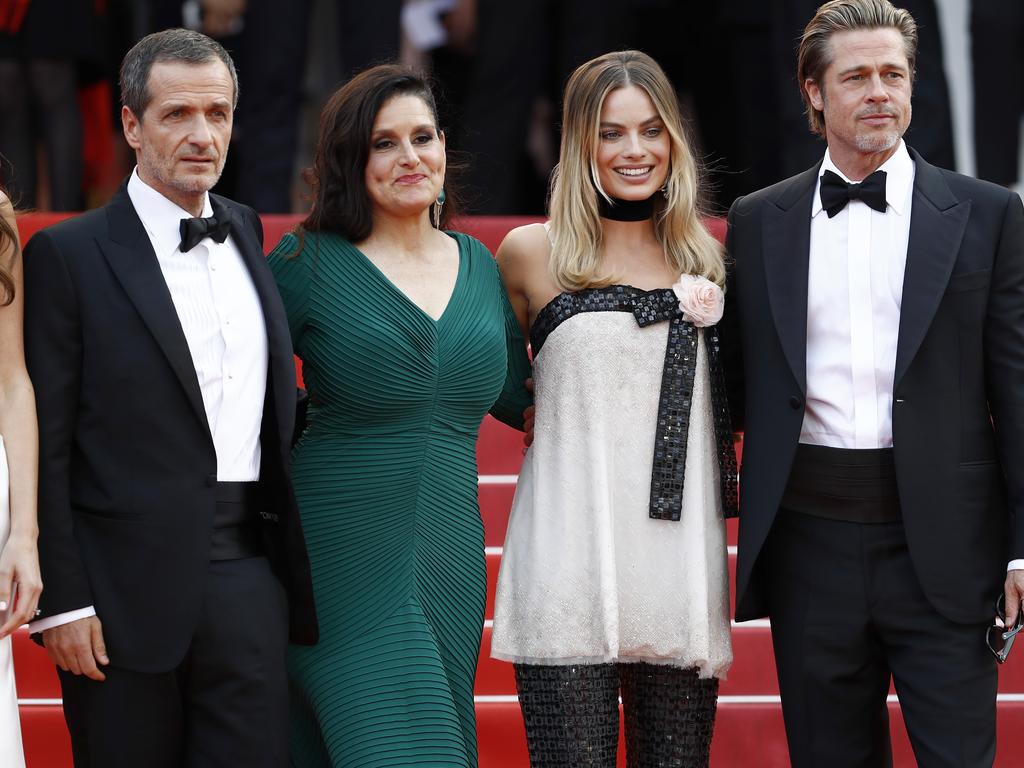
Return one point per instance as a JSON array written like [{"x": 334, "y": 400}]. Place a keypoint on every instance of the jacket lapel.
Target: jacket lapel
[
  {"x": 787, "y": 239},
  {"x": 133, "y": 260},
  {"x": 937, "y": 224},
  {"x": 279, "y": 345}
]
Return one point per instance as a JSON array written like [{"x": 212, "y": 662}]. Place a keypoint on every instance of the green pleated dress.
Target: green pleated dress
[{"x": 386, "y": 480}]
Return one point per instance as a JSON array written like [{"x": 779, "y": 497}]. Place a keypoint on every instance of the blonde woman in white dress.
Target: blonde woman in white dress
[
  {"x": 614, "y": 573},
  {"x": 20, "y": 584}
]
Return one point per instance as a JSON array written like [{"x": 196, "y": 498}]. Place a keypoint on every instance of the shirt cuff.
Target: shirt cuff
[
  {"x": 66, "y": 618},
  {"x": 1016, "y": 565}
]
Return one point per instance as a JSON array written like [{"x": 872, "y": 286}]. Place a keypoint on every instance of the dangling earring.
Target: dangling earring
[
  {"x": 438, "y": 205},
  {"x": 664, "y": 189}
]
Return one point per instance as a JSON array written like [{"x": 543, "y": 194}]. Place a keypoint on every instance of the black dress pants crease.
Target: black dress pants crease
[
  {"x": 224, "y": 706},
  {"x": 848, "y": 614}
]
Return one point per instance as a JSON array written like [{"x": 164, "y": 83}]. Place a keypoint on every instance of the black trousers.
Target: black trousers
[
  {"x": 571, "y": 714},
  {"x": 848, "y": 615},
  {"x": 225, "y": 705}
]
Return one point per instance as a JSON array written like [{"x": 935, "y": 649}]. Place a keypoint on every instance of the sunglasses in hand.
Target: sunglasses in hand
[{"x": 999, "y": 637}]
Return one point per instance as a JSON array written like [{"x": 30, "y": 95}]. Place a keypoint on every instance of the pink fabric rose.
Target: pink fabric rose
[{"x": 700, "y": 300}]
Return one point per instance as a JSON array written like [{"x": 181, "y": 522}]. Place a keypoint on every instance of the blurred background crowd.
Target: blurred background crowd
[{"x": 499, "y": 66}]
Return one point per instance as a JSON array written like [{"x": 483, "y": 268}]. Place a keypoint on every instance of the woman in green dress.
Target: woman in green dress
[{"x": 407, "y": 340}]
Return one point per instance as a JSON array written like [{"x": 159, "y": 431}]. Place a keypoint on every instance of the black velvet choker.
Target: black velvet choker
[{"x": 625, "y": 210}]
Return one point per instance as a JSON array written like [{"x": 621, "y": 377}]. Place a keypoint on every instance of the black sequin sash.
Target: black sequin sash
[{"x": 676, "y": 385}]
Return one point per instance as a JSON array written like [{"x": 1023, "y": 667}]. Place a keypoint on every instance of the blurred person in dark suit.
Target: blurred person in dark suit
[
  {"x": 997, "y": 53},
  {"x": 44, "y": 44},
  {"x": 271, "y": 48},
  {"x": 507, "y": 57}
]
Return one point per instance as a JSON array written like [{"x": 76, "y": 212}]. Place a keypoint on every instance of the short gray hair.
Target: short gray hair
[{"x": 182, "y": 45}]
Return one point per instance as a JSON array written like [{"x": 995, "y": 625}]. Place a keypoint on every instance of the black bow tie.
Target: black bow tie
[
  {"x": 194, "y": 230},
  {"x": 836, "y": 193}
]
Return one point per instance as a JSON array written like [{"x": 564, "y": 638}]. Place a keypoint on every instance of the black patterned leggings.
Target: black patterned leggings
[{"x": 572, "y": 715}]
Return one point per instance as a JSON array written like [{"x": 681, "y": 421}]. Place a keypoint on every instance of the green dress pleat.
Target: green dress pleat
[{"x": 386, "y": 480}]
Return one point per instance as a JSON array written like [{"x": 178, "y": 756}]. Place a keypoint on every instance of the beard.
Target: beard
[
  {"x": 163, "y": 170},
  {"x": 886, "y": 140},
  {"x": 878, "y": 142}
]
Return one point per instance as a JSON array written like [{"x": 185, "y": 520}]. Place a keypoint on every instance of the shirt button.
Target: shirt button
[{"x": 795, "y": 402}]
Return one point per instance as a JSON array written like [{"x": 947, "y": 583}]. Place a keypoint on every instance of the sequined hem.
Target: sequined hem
[
  {"x": 675, "y": 398},
  {"x": 704, "y": 668}
]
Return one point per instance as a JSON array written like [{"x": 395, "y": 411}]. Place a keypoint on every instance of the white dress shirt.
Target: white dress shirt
[
  {"x": 854, "y": 294},
  {"x": 222, "y": 319}
]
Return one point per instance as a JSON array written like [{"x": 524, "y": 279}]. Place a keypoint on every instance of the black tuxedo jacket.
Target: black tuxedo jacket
[
  {"x": 958, "y": 405},
  {"x": 127, "y": 464}
]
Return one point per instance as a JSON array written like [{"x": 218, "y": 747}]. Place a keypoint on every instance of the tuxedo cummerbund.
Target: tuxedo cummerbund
[
  {"x": 853, "y": 485},
  {"x": 236, "y": 522}
]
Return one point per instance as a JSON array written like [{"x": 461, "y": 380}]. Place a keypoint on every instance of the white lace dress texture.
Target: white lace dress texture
[
  {"x": 586, "y": 575},
  {"x": 11, "y": 753}
]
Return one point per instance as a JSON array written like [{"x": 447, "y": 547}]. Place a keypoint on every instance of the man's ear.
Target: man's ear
[
  {"x": 132, "y": 127},
  {"x": 814, "y": 94}
]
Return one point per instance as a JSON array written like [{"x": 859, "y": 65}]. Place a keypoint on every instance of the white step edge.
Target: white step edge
[
  {"x": 1002, "y": 698},
  {"x": 752, "y": 624},
  {"x": 497, "y": 479},
  {"x": 497, "y": 551}
]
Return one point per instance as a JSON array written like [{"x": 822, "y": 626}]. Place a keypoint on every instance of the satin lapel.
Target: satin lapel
[
  {"x": 279, "y": 344},
  {"x": 787, "y": 240},
  {"x": 132, "y": 259},
  {"x": 937, "y": 224}
]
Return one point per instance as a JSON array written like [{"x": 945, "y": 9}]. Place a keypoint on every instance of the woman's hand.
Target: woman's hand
[{"x": 19, "y": 565}]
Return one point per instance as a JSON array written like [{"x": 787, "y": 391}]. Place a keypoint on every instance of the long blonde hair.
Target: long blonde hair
[{"x": 575, "y": 223}]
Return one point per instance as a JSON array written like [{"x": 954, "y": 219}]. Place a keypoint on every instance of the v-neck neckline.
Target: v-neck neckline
[{"x": 405, "y": 297}]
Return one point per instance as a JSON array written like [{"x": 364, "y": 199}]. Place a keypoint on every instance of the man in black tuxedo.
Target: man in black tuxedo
[
  {"x": 169, "y": 539},
  {"x": 878, "y": 302}
]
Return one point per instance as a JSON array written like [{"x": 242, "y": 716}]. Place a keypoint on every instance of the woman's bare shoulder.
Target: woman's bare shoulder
[{"x": 527, "y": 245}]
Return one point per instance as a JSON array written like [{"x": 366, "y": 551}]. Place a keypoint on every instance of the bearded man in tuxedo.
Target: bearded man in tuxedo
[{"x": 876, "y": 313}]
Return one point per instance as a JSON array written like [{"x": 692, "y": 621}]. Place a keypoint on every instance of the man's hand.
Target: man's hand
[
  {"x": 1013, "y": 590},
  {"x": 77, "y": 647},
  {"x": 528, "y": 415}
]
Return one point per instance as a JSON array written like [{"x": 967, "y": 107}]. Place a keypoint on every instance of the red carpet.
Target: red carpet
[{"x": 749, "y": 731}]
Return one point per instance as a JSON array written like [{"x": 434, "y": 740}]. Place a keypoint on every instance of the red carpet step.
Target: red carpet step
[{"x": 747, "y": 734}]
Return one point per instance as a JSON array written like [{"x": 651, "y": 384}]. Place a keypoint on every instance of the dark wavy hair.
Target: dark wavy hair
[
  {"x": 8, "y": 240},
  {"x": 341, "y": 203}
]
